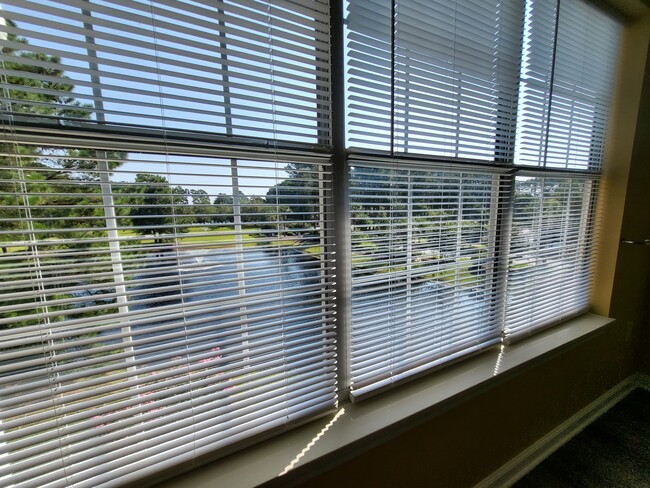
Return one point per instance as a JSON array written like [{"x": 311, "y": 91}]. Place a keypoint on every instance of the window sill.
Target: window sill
[{"x": 302, "y": 453}]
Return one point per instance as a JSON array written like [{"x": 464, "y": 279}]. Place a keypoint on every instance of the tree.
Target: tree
[
  {"x": 49, "y": 192},
  {"x": 254, "y": 210},
  {"x": 223, "y": 211},
  {"x": 202, "y": 210},
  {"x": 182, "y": 214},
  {"x": 39, "y": 87},
  {"x": 45, "y": 180},
  {"x": 251, "y": 209},
  {"x": 154, "y": 209},
  {"x": 297, "y": 197}
]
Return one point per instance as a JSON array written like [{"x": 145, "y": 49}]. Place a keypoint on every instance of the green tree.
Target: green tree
[
  {"x": 46, "y": 181},
  {"x": 223, "y": 209},
  {"x": 157, "y": 209},
  {"x": 37, "y": 85},
  {"x": 48, "y": 192},
  {"x": 297, "y": 197},
  {"x": 255, "y": 211},
  {"x": 202, "y": 209}
]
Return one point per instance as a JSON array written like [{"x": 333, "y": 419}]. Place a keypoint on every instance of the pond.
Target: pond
[
  {"x": 202, "y": 304},
  {"x": 210, "y": 300}
]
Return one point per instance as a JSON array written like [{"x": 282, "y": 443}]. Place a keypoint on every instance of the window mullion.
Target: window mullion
[
  {"x": 341, "y": 199},
  {"x": 501, "y": 210},
  {"x": 502, "y": 215}
]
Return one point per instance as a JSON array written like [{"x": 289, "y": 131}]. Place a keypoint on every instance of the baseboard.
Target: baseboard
[
  {"x": 643, "y": 380},
  {"x": 524, "y": 462}
]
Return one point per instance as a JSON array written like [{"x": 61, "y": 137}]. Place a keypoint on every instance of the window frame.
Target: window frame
[
  {"x": 99, "y": 136},
  {"x": 339, "y": 237},
  {"x": 504, "y": 163}
]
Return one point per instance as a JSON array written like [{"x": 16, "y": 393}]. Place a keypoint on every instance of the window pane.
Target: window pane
[
  {"x": 453, "y": 71},
  {"x": 157, "y": 306},
  {"x": 551, "y": 251},
  {"x": 422, "y": 270},
  {"x": 258, "y": 69},
  {"x": 566, "y": 75}
]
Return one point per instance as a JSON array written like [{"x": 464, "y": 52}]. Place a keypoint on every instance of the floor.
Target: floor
[{"x": 614, "y": 451}]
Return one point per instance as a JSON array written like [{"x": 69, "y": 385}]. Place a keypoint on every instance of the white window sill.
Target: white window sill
[{"x": 322, "y": 444}]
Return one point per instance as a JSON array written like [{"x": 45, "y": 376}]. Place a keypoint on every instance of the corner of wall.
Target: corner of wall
[{"x": 618, "y": 159}]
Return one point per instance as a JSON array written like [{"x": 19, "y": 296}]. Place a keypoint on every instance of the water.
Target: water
[
  {"x": 205, "y": 304},
  {"x": 218, "y": 305},
  {"x": 213, "y": 308}
]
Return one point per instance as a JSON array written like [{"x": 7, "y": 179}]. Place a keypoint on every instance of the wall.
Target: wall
[
  {"x": 463, "y": 445},
  {"x": 631, "y": 295}
]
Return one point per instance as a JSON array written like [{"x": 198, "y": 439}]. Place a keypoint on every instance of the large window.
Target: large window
[
  {"x": 171, "y": 282},
  {"x": 423, "y": 268},
  {"x": 166, "y": 268},
  {"x": 476, "y": 133}
]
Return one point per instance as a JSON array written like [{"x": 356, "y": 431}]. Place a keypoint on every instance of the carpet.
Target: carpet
[{"x": 613, "y": 451}]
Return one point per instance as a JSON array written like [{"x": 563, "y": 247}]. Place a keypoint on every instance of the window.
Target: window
[
  {"x": 169, "y": 271},
  {"x": 167, "y": 265},
  {"x": 423, "y": 268},
  {"x": 549, "y": 270},
  {"x": 476, "y": 135}
]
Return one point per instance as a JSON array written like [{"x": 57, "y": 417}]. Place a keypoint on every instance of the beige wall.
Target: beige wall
[
  {"x": 463, "y": 445},
  {"x": 631, "y": 293}
]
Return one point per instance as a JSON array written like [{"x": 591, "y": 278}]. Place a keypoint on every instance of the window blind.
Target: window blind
[
  {"x": 247, "y": 68},
  {"x": 436, "y": 79},
  {"x": 551, "y": 251},
  {"x": 484, "y": 88},
  {"x": 425, "y": 280},
  {"x": 172, "y": 321},
  {"x": 167, "y": 284},
  {"x": 566, "y": 80},
  {"x": 433, "y": 77},
  {"x": 567, "y": 75}
]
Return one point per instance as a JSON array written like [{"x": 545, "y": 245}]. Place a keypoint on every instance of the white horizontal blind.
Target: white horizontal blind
[
  {"x": 454, "y": 82},
  {"x": 551, "y": 251},
  {"x": 369, "y": 81},
  {"x": 196, "y": 316},
  {"x": 437, "y": 79},
  {"x": 425, "y": 286},
  {"x": 567, "y": 75},
  {"x": 536, "y": 71},
  {"x": 249, "y": 68},
  {"x": 453, "y": 70},
  {"x": 165, "y": 295}
]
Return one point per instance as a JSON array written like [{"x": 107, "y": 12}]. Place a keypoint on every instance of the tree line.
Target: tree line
[{"x": 57, "y": 194}]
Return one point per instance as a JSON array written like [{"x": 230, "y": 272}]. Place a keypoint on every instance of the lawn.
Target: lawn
[
  {"x": 212, "y": 237},
  {"x": 206, "y": 237}
]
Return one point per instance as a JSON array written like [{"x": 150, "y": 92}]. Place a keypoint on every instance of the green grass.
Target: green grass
[
  {"x": 15, "y": 249},
  {"x": 222, "y": 238},
  {"x": 449, "y": 275},
  {"x": 312, "y": 250},
  {"x": 215, "y": 237},
  {"x": 360, "y": 259}
]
